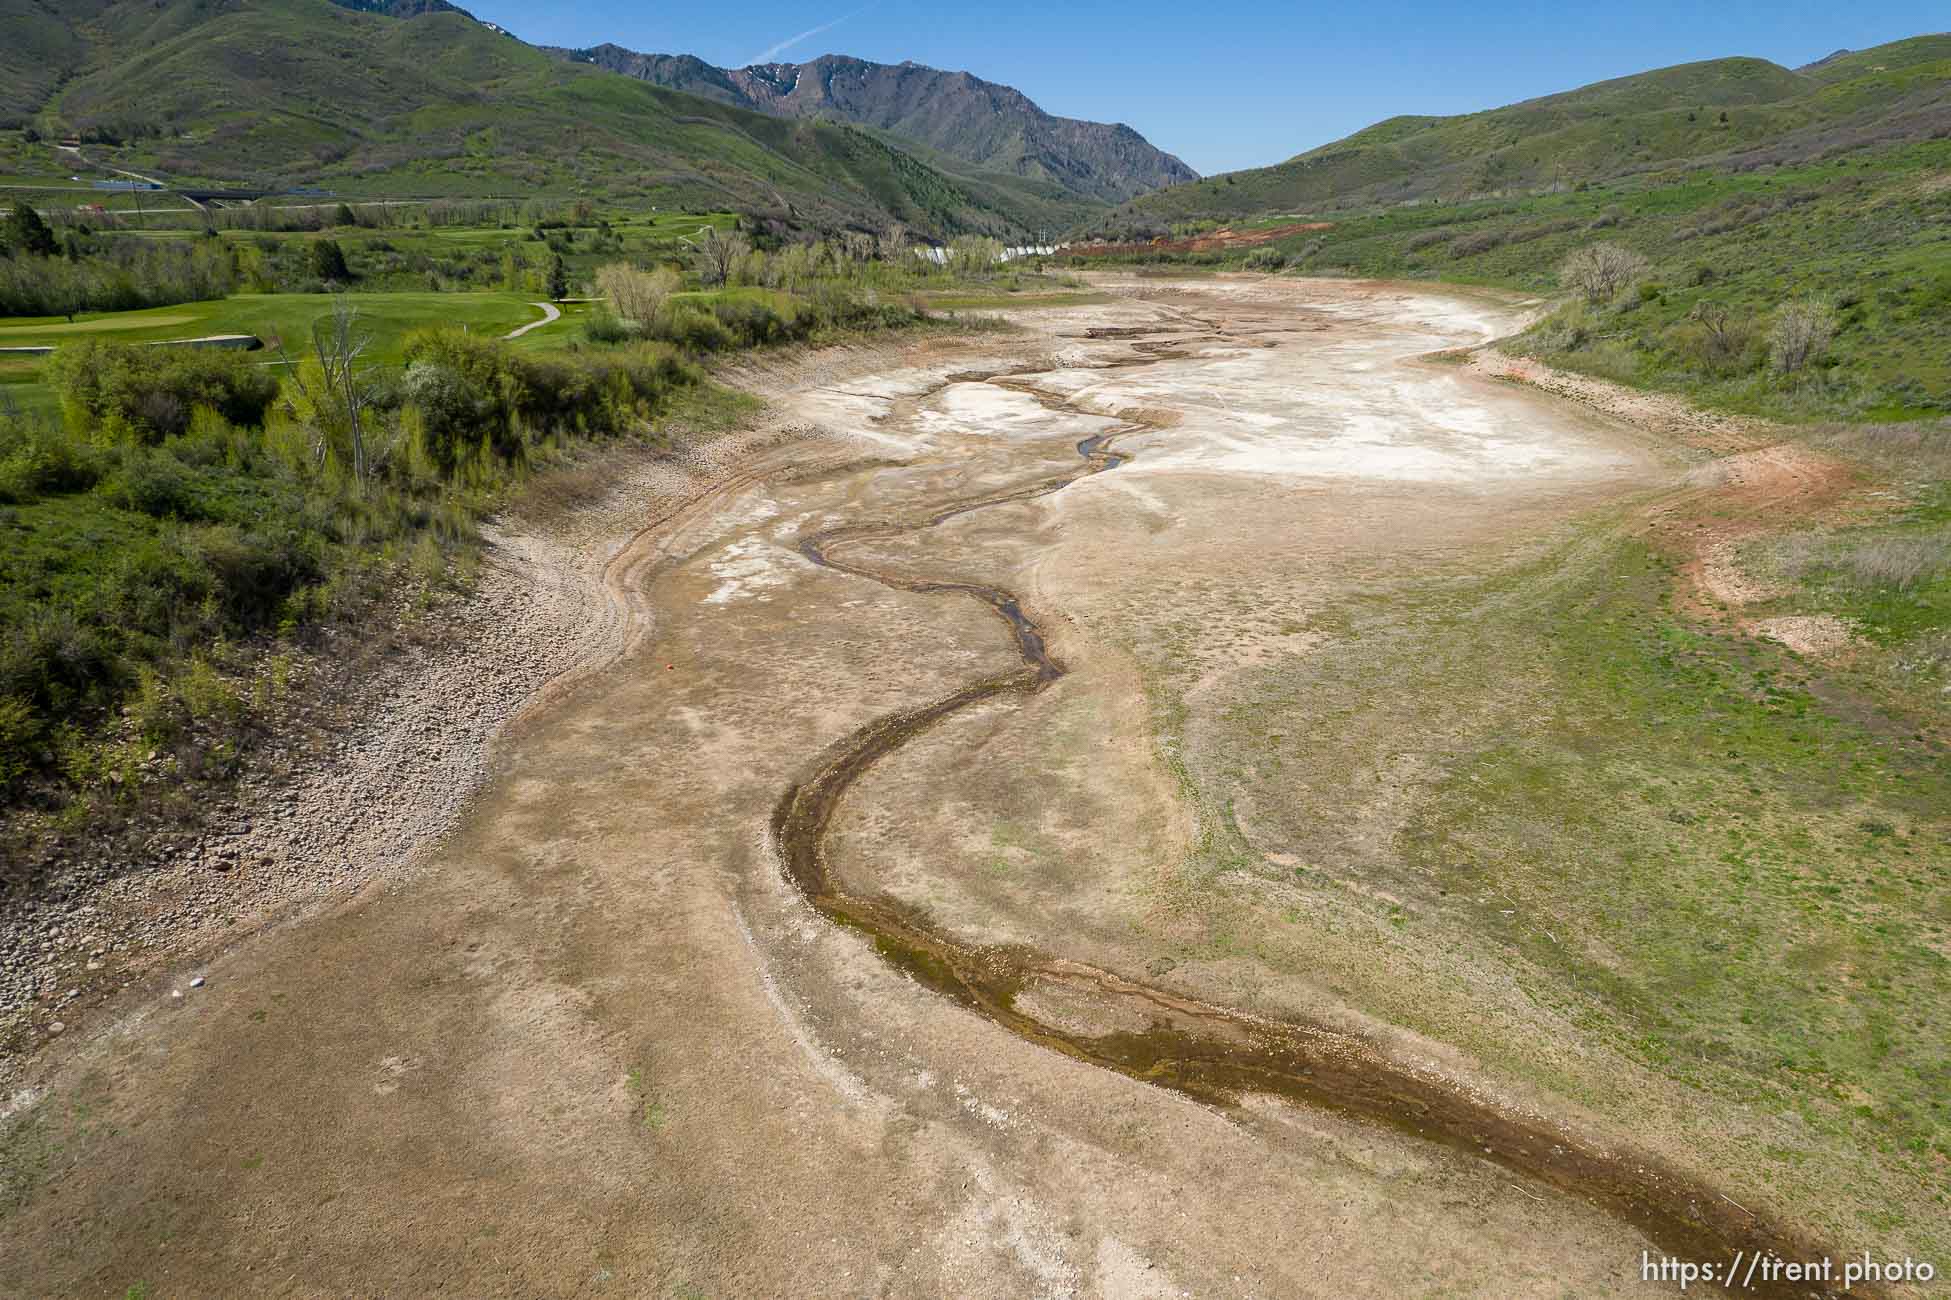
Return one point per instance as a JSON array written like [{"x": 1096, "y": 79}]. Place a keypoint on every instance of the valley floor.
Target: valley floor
[{"x": 1338, "y": 764}]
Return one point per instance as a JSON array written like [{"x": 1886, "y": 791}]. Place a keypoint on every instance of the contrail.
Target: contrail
[{"x": 773, "y": 51}]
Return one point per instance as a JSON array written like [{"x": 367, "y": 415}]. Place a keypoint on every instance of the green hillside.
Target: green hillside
[
  {"x": 41, "y": 46},
  {"x": 1866, "y": 233},
  {"x": 305, "y": 92},
  {"x": 1738, "y": 114}
]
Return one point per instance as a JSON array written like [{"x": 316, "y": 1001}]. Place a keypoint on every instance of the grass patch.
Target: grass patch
[{"x": 1547, "y": 808}]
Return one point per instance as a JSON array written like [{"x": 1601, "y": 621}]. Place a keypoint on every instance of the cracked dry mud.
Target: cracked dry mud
[{"x": 602, "y": 1044}]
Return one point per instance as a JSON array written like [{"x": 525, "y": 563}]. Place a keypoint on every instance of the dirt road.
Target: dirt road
[{"x": 607, "y": 1040}]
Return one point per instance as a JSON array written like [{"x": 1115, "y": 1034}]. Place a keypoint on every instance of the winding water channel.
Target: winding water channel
[{"x": 1207, "y": 1052}]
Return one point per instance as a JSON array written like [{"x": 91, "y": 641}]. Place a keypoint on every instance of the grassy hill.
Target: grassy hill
[
  {"x": 41, "y": 46},
  {"x": 306, "y": 92},
  {"x": 1737, "y": 114},
  {"x": 1866, "y": 232},
  {"x": 1749, "y": 189}
]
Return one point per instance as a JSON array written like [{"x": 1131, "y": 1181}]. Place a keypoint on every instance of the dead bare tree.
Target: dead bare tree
[
  {"x": 718, "y": 253},
  {"x": 1602, "y": 271},
  {"x": 1723, "y": 336}
]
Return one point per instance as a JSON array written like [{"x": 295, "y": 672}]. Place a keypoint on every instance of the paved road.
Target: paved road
[{"x": 551, "y": 312}]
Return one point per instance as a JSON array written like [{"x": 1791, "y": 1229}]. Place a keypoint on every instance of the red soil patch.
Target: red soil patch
[{"x": 1751, "y": 494}]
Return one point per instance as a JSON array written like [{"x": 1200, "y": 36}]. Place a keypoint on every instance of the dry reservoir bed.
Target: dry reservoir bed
[{"x": 1111, "y": 690}]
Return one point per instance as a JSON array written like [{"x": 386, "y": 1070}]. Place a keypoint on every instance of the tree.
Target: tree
[
  {"x": 974, "y": 254},
  {"x": 636, "y": 295},
  {"x": 328, "y": 262},
  {"x": 558, "y": 278},
  {"x": 335, "y": 393},
  {"x": 25, "y": 232},
  {"x": 1602, "y": 271},
  {"x": 1801, "y": 334},
  {"x": 344, "y": 216},
  {"x": 717, "y": 253},
  {"x": 791, "y": 267}
]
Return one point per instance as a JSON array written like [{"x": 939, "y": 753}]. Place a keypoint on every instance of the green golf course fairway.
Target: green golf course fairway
[{"x": 388, "y": 317}]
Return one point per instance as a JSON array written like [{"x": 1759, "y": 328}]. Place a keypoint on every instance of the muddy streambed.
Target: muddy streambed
[{"x": 1202, "y": 1050}]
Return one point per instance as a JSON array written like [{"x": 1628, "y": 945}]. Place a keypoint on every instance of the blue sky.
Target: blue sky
[{"x": 1226, "y": 83}]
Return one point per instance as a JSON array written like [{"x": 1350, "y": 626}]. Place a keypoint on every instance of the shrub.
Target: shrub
[
  {"x": 1868, "y": 564},
  {"x": 972, "y": 255},
  {"x": 753, "y": 324},
  {"x": 53, "y": 660},
  {"x": 1611, "y": 359},
  {"x": 1526, "y": 234},
  {"x": 636, "y": 295},
  {"x": 20, "y": 738},
  {"x": 1713, "y": 340},
  {"x": 1266, "y": 259},
  {"x": 1601, "y": 272},
  {"x": 146, "y": 394},
  {"x": 466, "y": 394},
  {"x": 1899, "y": 562},
  {"x": 1800, "y": 335},
  {"x": 458, "y": 384},
  {"x": 253, "y": 571},
  {"x": 603, "y": 325},
  {"x": 1481, "y": 241},
  {"x": 1566, "y": 330},
  {"x": 38, "y": 459},
  {"x": 692, "y": 327},
  {"x": 152, "y": 483}
]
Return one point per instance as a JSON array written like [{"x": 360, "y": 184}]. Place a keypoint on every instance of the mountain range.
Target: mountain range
[
  {"x": 418, "y": 97},
  {"x": 977, "y": 121}
]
